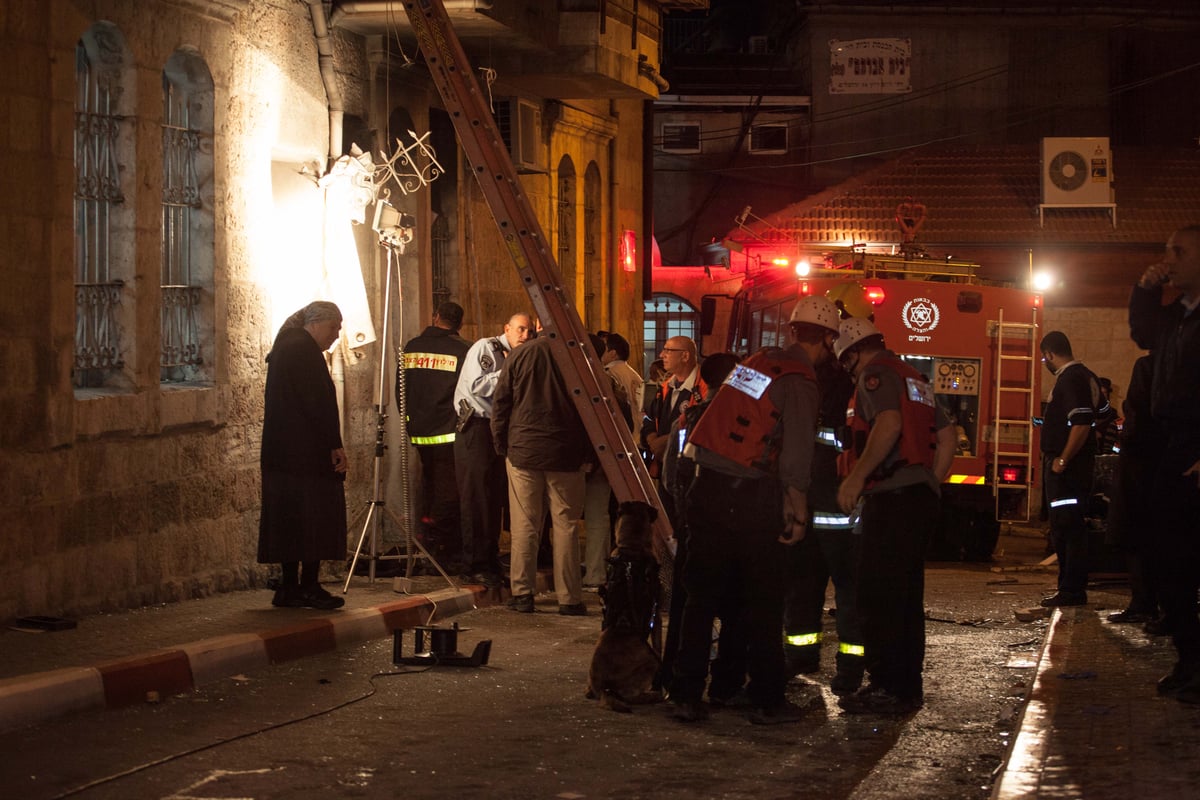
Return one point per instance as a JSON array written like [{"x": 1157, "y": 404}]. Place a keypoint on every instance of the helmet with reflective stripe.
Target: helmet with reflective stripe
[
  {"x": 819, "y": 311},
  {"x": 851, "y": 332}
]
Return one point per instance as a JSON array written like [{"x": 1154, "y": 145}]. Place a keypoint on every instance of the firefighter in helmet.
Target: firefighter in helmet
[
  {"x": 753, "y": 452},
  {"x": 898, "y": 448},
  {"x": 831, "y": 549}
]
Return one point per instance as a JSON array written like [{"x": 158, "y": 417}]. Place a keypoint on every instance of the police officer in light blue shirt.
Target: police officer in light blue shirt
[{"x": 479, "y": 471}]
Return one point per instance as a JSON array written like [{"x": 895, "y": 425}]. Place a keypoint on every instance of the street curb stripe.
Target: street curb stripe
[{"x": 29, "y": 699}]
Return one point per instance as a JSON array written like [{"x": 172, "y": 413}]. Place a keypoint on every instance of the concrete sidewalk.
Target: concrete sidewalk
[{"x": 114, "y": 660}]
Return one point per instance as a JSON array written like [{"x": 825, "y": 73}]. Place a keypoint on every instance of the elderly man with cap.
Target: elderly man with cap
[
  {"x": 899, "y": 447},
  {"x": 753, "y": 451}
]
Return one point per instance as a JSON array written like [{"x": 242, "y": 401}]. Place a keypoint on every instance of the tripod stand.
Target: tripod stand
[{"x": 377, "y": 506}]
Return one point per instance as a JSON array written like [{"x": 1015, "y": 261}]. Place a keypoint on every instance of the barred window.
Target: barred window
[
  {"x": 681, "y": 137},
  {"x": 666, "y": 315},
  {"x": 187, "y": 241},
  {"x": 566, "y": 226},
  {"x": 593, "y": 263},
  {"x": 103, "y": 221},
  {"x": 768, "y": 139}
]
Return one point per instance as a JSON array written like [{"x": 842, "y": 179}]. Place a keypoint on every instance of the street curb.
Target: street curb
[{"x": 28, "y": 699}]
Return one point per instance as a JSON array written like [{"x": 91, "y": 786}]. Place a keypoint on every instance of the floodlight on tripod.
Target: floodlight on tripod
[{"x": 395, "y": 230}]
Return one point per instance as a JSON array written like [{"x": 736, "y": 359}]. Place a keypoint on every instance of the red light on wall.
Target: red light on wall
[
  {"x": 1037, "y": 301},
  {"x": 874, "y": 294},
  {"x": 804, "y": 291},
  {"x": 629, "y": 251}
]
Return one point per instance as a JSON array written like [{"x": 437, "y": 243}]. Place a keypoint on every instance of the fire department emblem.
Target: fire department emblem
[{"x": 921, "y": 315}]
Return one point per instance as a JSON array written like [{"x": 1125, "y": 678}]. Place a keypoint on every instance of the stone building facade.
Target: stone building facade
[{"x": 163, "y": 216}]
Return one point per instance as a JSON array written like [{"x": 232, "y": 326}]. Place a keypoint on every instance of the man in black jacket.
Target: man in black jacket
[
  {"x": 432, "y": 361},
  {"x": 1069, "y": 455},
  {"x": 1172, "y": 333},
  {"x": 537, "y": 429}
]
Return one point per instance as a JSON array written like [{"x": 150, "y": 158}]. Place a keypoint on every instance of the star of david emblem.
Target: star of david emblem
[{"x": 921, "y": 315}]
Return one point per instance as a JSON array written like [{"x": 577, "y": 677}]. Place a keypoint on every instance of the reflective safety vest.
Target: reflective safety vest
[
  {"x": 918, "y": 419},
  {"x": 741, "y": 423}
]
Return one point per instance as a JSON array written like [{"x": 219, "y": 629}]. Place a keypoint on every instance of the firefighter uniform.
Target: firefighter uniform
[
  {"x": 899, "y": 505},
  {"x": 432, "y": 361},
  {"x": 830, "y": 551},
  {"x": 756, "y": 436}
]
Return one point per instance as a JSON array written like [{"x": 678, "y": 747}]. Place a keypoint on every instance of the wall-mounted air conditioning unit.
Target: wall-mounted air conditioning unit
[
  {"x": 1076, "y": 171},
  {"x": 520, "y": 124}
]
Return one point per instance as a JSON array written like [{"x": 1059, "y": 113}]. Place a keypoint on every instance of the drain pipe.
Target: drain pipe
[{"x": 333, "y": 94}]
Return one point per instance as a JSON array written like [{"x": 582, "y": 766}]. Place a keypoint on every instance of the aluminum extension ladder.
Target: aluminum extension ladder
[
  {"x": 490, "y": 161},
  {"x": 1016, "y": 352}
]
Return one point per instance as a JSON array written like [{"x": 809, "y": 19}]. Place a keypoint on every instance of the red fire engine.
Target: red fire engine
[{"x": 976, "y": 342}]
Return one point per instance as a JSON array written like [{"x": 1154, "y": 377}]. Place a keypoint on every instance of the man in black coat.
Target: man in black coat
[
  {"x": 1172, "y": 333},
  {"x": 303, "y": 464}
]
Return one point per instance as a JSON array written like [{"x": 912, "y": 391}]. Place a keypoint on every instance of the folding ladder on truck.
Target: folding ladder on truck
[
  {"x": 493, "y": 168},
  {"x": 1015, "y": 381}
]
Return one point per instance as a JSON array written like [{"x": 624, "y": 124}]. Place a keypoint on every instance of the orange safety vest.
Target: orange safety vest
[
  {"x": 741, "y": 423},
  {"x": 918, "y": 420}
]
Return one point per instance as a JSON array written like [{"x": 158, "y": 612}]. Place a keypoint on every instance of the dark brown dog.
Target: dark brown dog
[{"x": 624, "y": 664}]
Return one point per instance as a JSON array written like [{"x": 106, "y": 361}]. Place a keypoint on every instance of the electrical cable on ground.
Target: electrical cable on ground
[{"x": 246, "y": 735}]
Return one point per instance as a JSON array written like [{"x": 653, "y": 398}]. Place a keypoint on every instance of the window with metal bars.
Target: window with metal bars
[
  {"x": 102, "y": 219},
  {"x": 664, "y": 316},
  {"x": 186, "y": 223},
  {"x": 593, "y": 265},
  {"x": 566, "y": 227}
]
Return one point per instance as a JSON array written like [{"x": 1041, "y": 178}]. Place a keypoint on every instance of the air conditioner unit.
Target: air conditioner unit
[
  {"x": 1076, "y": 171},
  {"x": 520, "y": 124}
]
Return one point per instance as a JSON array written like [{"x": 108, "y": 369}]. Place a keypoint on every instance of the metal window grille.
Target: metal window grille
[
  {"x": 97, "y": 191},
  {"x": 593, "y": 268},
  {"x": 681, "y": 138},
  {"x": 769, "y": 138},
  {"x": 664, "y": 316},
  {"x": 439, "y": 233},
  {"x": 566, "y": 232},
  {"x": 180, "y": 330}
]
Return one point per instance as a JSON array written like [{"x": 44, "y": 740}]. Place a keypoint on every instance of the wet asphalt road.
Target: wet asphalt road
[{"x": 351, "y": 724}]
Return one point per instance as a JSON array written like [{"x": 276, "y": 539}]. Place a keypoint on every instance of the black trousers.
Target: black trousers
[
  {"x": 1066, "y": 497},
  {"x": 482, "y": 494},
  {"x": 891, "y": 586},
  {"x": 734, "y": 560},
  {"x": 1175, "y": 552},
  {"x": 821, "y": 556},
  {"x": 438, "y": 508}
]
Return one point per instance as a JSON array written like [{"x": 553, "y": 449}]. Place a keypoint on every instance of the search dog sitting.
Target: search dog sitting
[{"x": 623, "y": 663}]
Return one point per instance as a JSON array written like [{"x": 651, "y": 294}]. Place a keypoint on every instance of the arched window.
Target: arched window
[
  {"x": 566, "y": 226},
  {"x": 104, "y": 225},
  {"x": 666, "y": 315},
  {"x": 187, "y": 220},
  {"x": 593, "y": 252}
]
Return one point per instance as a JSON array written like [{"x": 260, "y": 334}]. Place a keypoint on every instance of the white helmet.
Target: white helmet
[
  {"x": 851, "y": 332},
  {"x": 818, "y": 311}
]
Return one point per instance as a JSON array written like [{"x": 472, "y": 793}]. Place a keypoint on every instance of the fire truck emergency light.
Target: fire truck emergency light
[
  {"x": 875, "y": 295},
  {"x": 803, "y": 268},
  {"x": 1010, "y": 474}
]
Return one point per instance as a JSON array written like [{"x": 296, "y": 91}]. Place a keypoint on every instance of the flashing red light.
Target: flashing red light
[
  {"x": 804, "y": 289},
  {"x": 1037, "y": 301},
  {"x": 874, "y": 294}
]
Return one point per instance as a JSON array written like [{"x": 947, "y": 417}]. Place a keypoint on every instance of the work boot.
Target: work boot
[
  {"x": 522, "y": 603},
  {"x": 573, "y": 610},
  {"x": 1063, "y": 599},
  {"x": 846, "y": 682},
  {"x": 877, "y": 700},
  {"x": 781, "y": 714}
]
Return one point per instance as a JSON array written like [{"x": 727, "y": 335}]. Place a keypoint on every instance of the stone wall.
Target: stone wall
[{"x": 150, "y": 493}]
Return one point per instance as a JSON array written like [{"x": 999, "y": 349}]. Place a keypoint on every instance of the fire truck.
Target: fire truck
[{"x": 976, "y": 341}]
